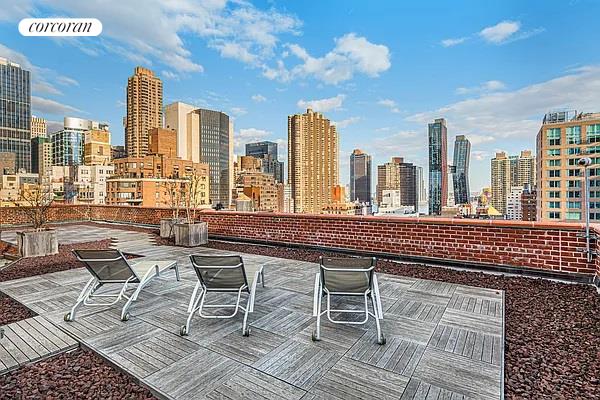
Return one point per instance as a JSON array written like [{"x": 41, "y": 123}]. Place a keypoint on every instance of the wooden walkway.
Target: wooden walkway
[
  {"x": 444, "y": 341},
  {"x": 30, "y": 340}
]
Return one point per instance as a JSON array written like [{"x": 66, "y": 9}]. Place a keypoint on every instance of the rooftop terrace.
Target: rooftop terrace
[{"x": 450, "y": 334}]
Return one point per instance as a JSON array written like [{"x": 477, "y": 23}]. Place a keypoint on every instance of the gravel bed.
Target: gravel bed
[
  {"x": 12, "y": 311},
  {"x": 63, "y": 260},
  {"x": 552, "y": 338},
  {"x": 80, "y": 374}
]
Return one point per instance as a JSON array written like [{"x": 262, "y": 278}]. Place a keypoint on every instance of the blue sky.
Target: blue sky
[{"x": 381, "y": 70}]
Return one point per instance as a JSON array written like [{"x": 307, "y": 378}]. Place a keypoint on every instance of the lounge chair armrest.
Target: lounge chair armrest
[{"x": 317, "y": 293}]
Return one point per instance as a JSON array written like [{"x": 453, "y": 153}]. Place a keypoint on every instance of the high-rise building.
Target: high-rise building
[
  {"x": 96, "y": 147},
  {"x": 68, "y": 144},
  {"x": 360, "y": 176},
  {"x": 39, "y": 127},
  {"x": 144, "y": 110},
  {"x": 313, "y": 163},
  {"x": 438, "y": 166},
  {"x": 507, "y": 172},
  {"x": 401, "y": 176},
  {"x": 205, "y": 136},
  {"x": 267, "y": 152},
  {"x": 15, "y": 113},
  {"x": 462, "y": 156},
  {"x": 41, "y": 155},
  {"x": 562, "y": 140}
]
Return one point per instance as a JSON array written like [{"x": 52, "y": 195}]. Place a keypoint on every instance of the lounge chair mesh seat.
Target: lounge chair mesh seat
[
  {"x": 110, "y": 267},
  {"x": 339, "y": 277},
  {"x": 222, "y": 274}
]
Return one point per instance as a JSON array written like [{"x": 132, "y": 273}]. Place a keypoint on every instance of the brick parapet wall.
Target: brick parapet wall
[{"x": 546, "y": 246}]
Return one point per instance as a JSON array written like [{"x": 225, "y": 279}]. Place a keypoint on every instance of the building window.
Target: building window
[
  {"x": 554, "y": 195},
  {"x": 574, "y": 184},
  {"x": 554, "y": 173},
  {"x": 553, "y": 136},
  {"x": 593, "y": 150},
  {"x": 574, "y": 194},
  {"x": 554, "y": 204},
  {"x": 574, "y": 172},
  {"x": 573, "y": 215},
  {"x": 593, "y": 133},
  {"x": 554, "y": 184},
  {"x": 554, "y": 163},
  {"x": 573, "y": 204},
  {"x": 554, "y": 215},
  {"x": 574, "y": 135},
  {"x": 553, "y": 152}
]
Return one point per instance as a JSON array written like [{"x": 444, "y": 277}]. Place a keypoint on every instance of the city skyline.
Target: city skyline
[{"x": 497, "y": 102}]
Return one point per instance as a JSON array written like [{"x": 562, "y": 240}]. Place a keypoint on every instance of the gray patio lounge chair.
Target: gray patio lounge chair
[
  {"x": 347, "y": 277},
  {"x": 224, "y": 274},
  {"x": 110, "y": 267}
]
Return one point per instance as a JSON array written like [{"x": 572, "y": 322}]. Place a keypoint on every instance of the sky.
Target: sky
[{"x": 381, "y": 70}]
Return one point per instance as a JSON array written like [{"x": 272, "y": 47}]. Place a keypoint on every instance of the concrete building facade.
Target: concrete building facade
[
  {"x": 508, "y": 171},
  {"x": 205, "y": 136}
]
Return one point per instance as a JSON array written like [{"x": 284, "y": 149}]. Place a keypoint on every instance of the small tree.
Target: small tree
[
  {"x": 191, "y": 195},
  {"x": 37, "y": 199},
  {"x": 174, "y": 193}
]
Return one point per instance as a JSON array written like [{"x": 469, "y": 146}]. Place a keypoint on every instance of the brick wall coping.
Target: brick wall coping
[{"x": 496, "y": 223}]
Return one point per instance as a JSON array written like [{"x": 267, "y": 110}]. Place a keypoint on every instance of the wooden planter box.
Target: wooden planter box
[
  {"x": 167, "y": 227},
  {"x": 191, "y": 235},
  {"x": 37, "y": 243}
]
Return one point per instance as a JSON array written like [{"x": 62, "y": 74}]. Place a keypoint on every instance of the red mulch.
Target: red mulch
[
  {"x": 12, "y": 311},
  {"x": 80, "y": 374},
  {"x": 61, "y": 261},
  {"x": 552, "y": 333}
]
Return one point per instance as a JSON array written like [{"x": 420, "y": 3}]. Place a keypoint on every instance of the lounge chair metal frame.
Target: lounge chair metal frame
[
  {"x": 201, "y": 290},
  {"x": 87, "y": 295},
  {"x": 371, "y": 293}
]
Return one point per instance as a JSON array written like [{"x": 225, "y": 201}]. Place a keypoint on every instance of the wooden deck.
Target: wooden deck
[
  {"x": 444, "y": 341},
  {"x": 30, "y": 340}
]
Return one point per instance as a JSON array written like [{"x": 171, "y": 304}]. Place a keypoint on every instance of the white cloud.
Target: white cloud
[
  {"x": 453, "y": 42},
  {"x": 485, "y": 87},
  {"x": 169, "y": 75},
  {"x": 480, "y": 155},
  {"x": 479, "y": 139},
  {"x": 403, "y": 143},
  {"x": 346, "y": 122},
  {"x": 518, "y": 113},
  {"x": 390, "y": 104},
  {"x": 238, "y": 111},
  {"x": 500, "y": 32},
  {"x": 47, "y": 106},
  {"x": 259, "y": 98},
  {"x": 54, "y": 126},
  {"x": 145, "y": 31},
  {"x": 323, "y": 105},
  {"x": 40, "y": 77},
  {"x": 352, "y": 54}
]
